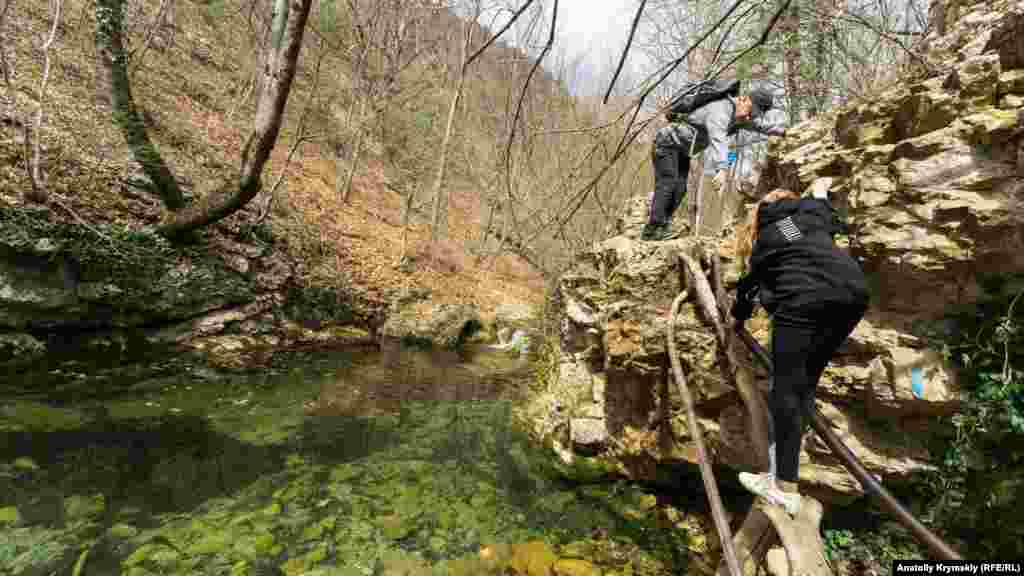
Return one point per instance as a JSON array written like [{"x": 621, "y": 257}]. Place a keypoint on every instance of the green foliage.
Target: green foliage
[
  {"x": 215, "y": 9},
  {"x": 973, "y": 491},
  {"x": 328, "y": 16},
  {"x": 870, "y": 547},
  {"x": 424, "y": 120},
  {"x": 545, "y": 368},
  {"x": 318, "y": 304}
]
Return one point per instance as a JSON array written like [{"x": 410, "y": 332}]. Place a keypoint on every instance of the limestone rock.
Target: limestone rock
[
  {"x": 588, "y": 435},
  {"x": 441, "y": 325}
]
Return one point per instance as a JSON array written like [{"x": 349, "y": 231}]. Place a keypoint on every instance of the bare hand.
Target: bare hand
[{"x": 719, "y": 179}]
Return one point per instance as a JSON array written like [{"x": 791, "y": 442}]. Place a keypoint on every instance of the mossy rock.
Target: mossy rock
[
  {"x": 123, "y": 531},
  {"x": 9, "y": 516},
  {"x": 26, "y": 464},
  {"x": 302, "y": 564},
  {"x": 37, "y": 416},
  {"x": 534, "y": 558},
  {"x": 395, "y": 526},
  {"x": 212, "y": 543},
  {"x": 575, "y": 567},
  {"x": 138, "y": 274},
  {"x": 84, "y": 507}
]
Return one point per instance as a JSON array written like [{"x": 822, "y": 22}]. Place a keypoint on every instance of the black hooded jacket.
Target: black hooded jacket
[{"x": 795, "y": 261}]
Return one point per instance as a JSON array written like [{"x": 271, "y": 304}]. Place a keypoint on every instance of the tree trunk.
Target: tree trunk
[
  {"x": 790, "y": 26},
  {"x": 356, "y": 149},
  {"x": 114, "y": 88},
  {"x": 281, "y": 60},
  {"x": 439, "y": 198}
]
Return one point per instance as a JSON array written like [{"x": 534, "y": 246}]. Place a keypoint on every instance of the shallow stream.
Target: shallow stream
[{"x": 353, "y": 462}]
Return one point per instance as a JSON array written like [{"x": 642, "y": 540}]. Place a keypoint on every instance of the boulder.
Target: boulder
[{"x": 439, "y": 325}]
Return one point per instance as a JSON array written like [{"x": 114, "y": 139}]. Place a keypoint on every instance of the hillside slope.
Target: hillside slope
[{"x": 191, "y": 82}]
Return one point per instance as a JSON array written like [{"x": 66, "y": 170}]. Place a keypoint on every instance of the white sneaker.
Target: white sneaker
[{"x": 764, "y": 486}]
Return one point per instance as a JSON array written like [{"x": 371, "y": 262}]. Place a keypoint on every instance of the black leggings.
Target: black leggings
[
  {"x": 671, "y": 170},
  {"x": 803, "y": 341}
]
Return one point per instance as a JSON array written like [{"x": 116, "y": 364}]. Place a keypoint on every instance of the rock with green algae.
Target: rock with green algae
[
  {"x": 398, "y": 563},
  {"x": 9, "y": 516},
  {"x": 123, "y": 531},
  {"x": 395, "y": 527},
  {"x": 37, "y": 416},
  {"x": 260, "y": 544},
  {"x": 302, "y": 564},
  {"x": 533, "y": 558},
  {"x": 574, "y": 567},
  {"x": 79, "y": 507},
  {"x": 214, "y": 542},
  {"x": 25, "y": 464},
  {"x": 316, "y": 531}
]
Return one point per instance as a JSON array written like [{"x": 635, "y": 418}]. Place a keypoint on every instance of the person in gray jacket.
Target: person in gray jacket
[{"x": 710, "y": 125}]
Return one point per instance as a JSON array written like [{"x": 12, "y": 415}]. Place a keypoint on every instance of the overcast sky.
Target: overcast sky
[{"x": 594, "y": 31}]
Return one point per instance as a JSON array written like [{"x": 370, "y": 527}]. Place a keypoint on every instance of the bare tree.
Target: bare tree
[
  {"x": 5, "y": 66},
  {"x": 440, "y": 199},
  {"x": 38, "y": 192},
  {"x": 279, "y": 63},
  {"x": 384, "y": 47},
  {"x": 164, "y": 15},
  {"x": 278, "y": 71}
]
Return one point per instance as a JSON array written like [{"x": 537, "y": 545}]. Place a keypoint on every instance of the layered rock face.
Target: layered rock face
[
  {"x": 929, "y": 175},
  {"x": 105, "y": 291},
  {"x": 929, "y": 170}
]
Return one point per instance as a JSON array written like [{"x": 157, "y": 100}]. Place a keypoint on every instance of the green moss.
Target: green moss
[
  {"x": 9, "y": 516},
  {"x": 265, "y": 543},
  {"x": 25, "y": 464},
  {"x": 240, "y": 568},
  {"x": 42, "y": 417},
  {"x": 123, "y": 531},
  {"x": 140, "y": 555},
  {"x": 213, "y": 543},
  {"x": 84, "y": 507}
]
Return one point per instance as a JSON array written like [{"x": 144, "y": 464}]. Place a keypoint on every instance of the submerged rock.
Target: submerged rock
[
  {"x": 18, "y": 348},
  {"x": 534, "y": 558}
]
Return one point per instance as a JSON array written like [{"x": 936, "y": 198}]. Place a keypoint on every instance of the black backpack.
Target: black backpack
[{"x": 693, "y": 96}]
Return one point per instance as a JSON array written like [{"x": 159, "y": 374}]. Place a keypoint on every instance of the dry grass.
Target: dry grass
[{"x": 187, "y": 91}]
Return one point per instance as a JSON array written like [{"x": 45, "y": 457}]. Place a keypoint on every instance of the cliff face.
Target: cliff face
[
  {"x": 929, "y": 175},
  {"x": 929, "y": 170}
]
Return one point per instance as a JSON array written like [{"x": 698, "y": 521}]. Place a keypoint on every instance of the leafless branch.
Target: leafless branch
[
  {"x": 5, "y": 67},
  {"x": 522, "y": 96},
  {"x": 35, "y": 174},
  {"x": 625, "y": 50},
  {"x": 133, "y": 60},
  {"x": 511, "y": 21},
  {"x": 300, "y": 135}
]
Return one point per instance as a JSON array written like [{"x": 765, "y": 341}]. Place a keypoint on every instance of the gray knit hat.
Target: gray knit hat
[{"x": 762, "y": 99}]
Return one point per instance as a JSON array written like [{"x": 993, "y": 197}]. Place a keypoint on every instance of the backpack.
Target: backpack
[{"x": 700, "y": 94}]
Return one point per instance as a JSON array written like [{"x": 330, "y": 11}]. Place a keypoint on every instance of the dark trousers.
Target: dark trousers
[
  {"x": 671, "y": 169},
  {"x": 803, "y": 342}
]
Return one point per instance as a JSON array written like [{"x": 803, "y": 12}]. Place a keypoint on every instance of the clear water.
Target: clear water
[{"x": 408, "y": 462}]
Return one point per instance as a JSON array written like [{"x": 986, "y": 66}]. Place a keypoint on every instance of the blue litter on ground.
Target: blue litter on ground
[{"x": 917, "y": 382}]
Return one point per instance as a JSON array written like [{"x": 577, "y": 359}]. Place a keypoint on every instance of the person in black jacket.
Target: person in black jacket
[{"x": 816, "y": 294}]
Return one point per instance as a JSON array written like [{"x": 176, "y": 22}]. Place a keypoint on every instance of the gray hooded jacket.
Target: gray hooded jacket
[{"x": 711, "y": 125}]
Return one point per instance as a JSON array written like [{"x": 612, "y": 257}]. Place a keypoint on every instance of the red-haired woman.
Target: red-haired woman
[{"x": 816, "y": 294}]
